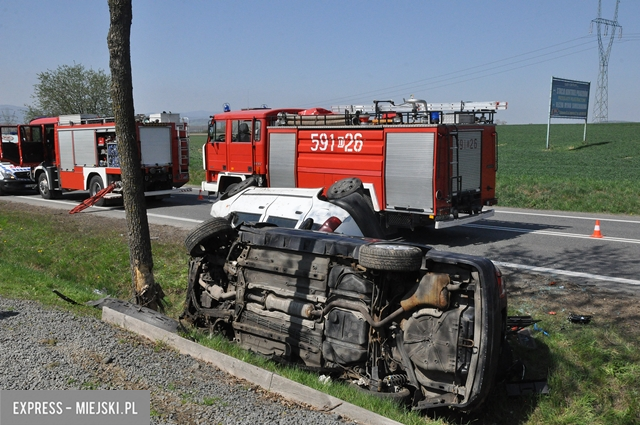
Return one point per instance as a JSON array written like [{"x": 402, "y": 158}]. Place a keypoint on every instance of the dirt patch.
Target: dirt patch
[{"x": 547, "y": 295}]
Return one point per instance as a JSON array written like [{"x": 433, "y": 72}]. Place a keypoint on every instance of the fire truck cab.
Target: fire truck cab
[
  {"x": 21, "y": 147},
  {"x": 421, "y": 164},
  {"x": 236, "y": 147}
]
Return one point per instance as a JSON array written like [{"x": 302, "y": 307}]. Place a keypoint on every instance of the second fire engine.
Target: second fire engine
[
  {"x": 421, "y": 163},
  {"x": 79, "y": 152}
]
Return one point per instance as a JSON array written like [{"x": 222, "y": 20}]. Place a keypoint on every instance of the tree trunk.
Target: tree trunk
[{"x": 145, "y": 290}]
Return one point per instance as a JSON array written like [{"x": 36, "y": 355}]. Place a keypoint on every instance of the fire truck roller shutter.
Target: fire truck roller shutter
[
  {"x": 409, "y": 171},
  {"x": 468, "y": 166},
  {"x": 155, "y": 145},
  {"x": 282, "y": 159},
  {"x": 84, "y": 148},
  {"x": 65, "y": 143}
]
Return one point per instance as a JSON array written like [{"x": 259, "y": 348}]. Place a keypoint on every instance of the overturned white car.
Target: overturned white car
[{"x": 400, "y": 320}]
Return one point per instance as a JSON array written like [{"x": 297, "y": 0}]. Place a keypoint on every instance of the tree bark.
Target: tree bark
[{"x": 145, "y": 290}]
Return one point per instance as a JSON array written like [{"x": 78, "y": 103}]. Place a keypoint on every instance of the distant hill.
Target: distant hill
[{"x": 198, "y": 120}]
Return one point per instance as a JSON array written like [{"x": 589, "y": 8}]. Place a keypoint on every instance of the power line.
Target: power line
[
  {"x": 460, "y": 76},
  {"x": 476, "y": 72}
]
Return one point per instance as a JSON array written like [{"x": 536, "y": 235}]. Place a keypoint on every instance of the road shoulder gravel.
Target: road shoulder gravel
[{"x": 49, "y": 349}]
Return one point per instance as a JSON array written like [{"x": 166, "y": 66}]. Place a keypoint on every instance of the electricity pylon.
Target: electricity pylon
[{"x": 601, "y": 110}]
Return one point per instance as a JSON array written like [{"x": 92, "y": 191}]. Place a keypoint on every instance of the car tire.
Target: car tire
[
  {"x": 236, "y": 188},
  {"x": 391, "y": 257},
  {"x": 96, "y": 185},
  {"x": 345, "y": 187},
  {"x": 208, "y": 236},
  {"x": 43, "y": 187}
]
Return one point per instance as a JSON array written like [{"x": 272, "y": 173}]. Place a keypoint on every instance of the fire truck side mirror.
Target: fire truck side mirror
[{"x": 212, "y": 132}]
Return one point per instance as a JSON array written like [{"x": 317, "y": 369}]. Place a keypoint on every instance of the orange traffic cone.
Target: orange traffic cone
[
  {"x": 596, "y": 230},
  {"x": 200, "y": 197}
]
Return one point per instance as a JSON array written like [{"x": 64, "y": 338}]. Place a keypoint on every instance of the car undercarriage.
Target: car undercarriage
[{"x": 398, "y": 319}]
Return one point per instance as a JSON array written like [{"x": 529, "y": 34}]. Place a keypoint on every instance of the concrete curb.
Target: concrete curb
[{"x": 267, "y": 380}]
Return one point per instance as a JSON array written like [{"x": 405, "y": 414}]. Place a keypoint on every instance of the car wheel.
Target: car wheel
[
  {"x": 43, "y": 188},
  {"x": 392, "y": 257},
  {"x": 208, "y": 236},
  {"x": 96, "y": 185},
  {"x": 345, "y": 187},
  {"x": 236, "y": 188},
  {"x": 2, "y": 191}
]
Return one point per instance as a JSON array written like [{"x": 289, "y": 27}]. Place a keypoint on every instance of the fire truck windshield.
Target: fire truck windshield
[{"x": 217, "y": 131}]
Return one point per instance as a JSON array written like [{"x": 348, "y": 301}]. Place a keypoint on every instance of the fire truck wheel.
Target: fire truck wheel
[
  {"x": 391, "y": 257},
  {"x": 208, "y": 236},
  {"x": 96, "y": 185},
  {"x": 43, "y": 188},
  {"x": 345, "y": 187},
  {"x": 236, "y": 188}
]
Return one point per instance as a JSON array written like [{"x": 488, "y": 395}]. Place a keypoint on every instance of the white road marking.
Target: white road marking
[
  {"x": 116, "y": 210},
  {"x": 550, "y": 233},
  {"x": 47, "y": 200},
  {"x": 168, "y": 217},
  {"x": 566, "y": 273},
  {"x": 568, "y": 216}
]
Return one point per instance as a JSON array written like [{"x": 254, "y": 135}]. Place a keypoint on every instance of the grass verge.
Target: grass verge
[{"x": 599, "y": 175}]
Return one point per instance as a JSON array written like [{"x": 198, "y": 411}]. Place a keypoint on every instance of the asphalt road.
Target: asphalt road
[{"x": 515, "y": 238}]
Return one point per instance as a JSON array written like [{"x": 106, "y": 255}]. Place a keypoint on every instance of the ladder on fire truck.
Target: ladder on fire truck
[
  {"x": 412, "y": 104},
  {"x": 183, "y": 152},
  {"x": 418, "y": 111}
]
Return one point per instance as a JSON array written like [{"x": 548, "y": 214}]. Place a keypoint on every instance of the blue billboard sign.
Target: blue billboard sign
[{"x": 569, "y": 98}]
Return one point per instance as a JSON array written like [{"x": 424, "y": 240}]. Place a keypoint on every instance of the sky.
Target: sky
[{"x": 196, "y": 55}]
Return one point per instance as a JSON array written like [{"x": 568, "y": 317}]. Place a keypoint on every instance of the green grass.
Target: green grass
[
  {"x": 593, "y": 372},
  {"x": 600, "y": 175},
  {"x": 40, "y": 253}
]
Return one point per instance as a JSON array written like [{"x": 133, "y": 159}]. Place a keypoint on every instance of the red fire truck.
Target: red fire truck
[
  {"x": 421, "y": 163},
  {"x": 78, "y": 152}
]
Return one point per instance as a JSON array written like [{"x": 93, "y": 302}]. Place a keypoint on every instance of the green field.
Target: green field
[
  {"x": 601, "y": 175},
  {"x": 196, "y": 172}
]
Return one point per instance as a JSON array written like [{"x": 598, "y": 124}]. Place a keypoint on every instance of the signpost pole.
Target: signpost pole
[{"x": 549, "y": 115}]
